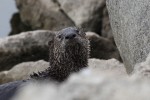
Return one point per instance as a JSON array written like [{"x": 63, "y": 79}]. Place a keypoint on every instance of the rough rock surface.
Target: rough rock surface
[
  {"x": 131, "y": 29},
  {"x": 33, "y": 46},
  {"x": 27, "y": 46},
  {"x": 142, "y": 70},
  {"x": 88, "y": 85},
  {"x": 42, "y": 14},
  {"x": 55, "y": 14},
  {"x": 23, "y": 70},
  {"x": 107, "y": 66},
  {"x": 102, "y": 48},
  {"x": 85, "y": 13}
]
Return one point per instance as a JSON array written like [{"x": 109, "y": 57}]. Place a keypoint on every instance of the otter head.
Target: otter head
[{"x": 70, "y": 48}]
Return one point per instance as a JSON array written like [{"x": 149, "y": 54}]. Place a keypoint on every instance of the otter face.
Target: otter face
[
  {"x": 70, "y": 37},
  {"x": 69, "y": 45}
]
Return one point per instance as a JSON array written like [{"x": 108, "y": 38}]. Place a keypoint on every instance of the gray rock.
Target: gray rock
[
  {"x": 84, "y": 13},
  {"x": 131, "y": 28},
  {"x": 88, "y": 85},
  {"x": 55, "y": 14},
  {"x": 22, "y": 71},
  {"x": 102, "y": 48},
  {"x": 142, "y": 70},
  {"x": 27, "y": 46},
  {"x": 42, "y": 14},
  {"x": 107, "y": 66}
]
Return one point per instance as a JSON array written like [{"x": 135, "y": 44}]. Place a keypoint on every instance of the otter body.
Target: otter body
[{"x": 68, "y": 53}]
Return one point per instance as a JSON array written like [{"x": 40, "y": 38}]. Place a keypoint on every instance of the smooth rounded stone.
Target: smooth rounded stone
[
  {"x": 27, "y": 46},
  {"x": 102, "y": 48},
  {"x": 23, "y": 71},
  {"x": 85, "y": 13},
  {"x": 42, "y": 14},
  {"x": 88, "y": 85},
  {"x": 131, "y": 29}
]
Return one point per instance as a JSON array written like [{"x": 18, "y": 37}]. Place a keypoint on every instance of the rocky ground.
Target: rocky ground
[
  {"x": 103, "y": 80},
  {"x": 25, "y": 50},
  {"x": 54, "y": 15}
]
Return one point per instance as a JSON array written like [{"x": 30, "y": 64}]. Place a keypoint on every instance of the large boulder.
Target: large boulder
[
  {"x": 131, "y": 29},
  {"x": 24, "y": 70},
  {"x": 27, "y": 46},
  {"x": 88, "y": 85}
]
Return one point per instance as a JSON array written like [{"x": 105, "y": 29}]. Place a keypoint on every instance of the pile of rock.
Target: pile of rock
[
  {"x": 92, "y": 15},
  {"x": 57, "y": 14}
]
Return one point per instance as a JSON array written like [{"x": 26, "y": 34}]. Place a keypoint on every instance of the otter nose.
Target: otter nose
[{"x": 70, "y": 35}]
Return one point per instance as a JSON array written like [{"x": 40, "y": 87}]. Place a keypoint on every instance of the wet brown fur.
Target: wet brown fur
[{"x": 65, "y": 57}]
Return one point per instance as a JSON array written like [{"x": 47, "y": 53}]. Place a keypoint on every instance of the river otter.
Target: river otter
[{"x": 68, "y": 53}]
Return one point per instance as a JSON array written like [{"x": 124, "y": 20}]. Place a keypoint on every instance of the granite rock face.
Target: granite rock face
[{"x": 131, "y": 29}]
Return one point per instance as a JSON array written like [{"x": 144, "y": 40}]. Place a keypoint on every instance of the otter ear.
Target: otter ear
[{"x": 51, "y": 40}]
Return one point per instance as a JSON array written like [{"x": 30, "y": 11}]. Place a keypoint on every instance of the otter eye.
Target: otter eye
[
  {"x": 77, "y": 31},
  {"x": 49, "y": 42},
  {"x": 59, "y": 36}
]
